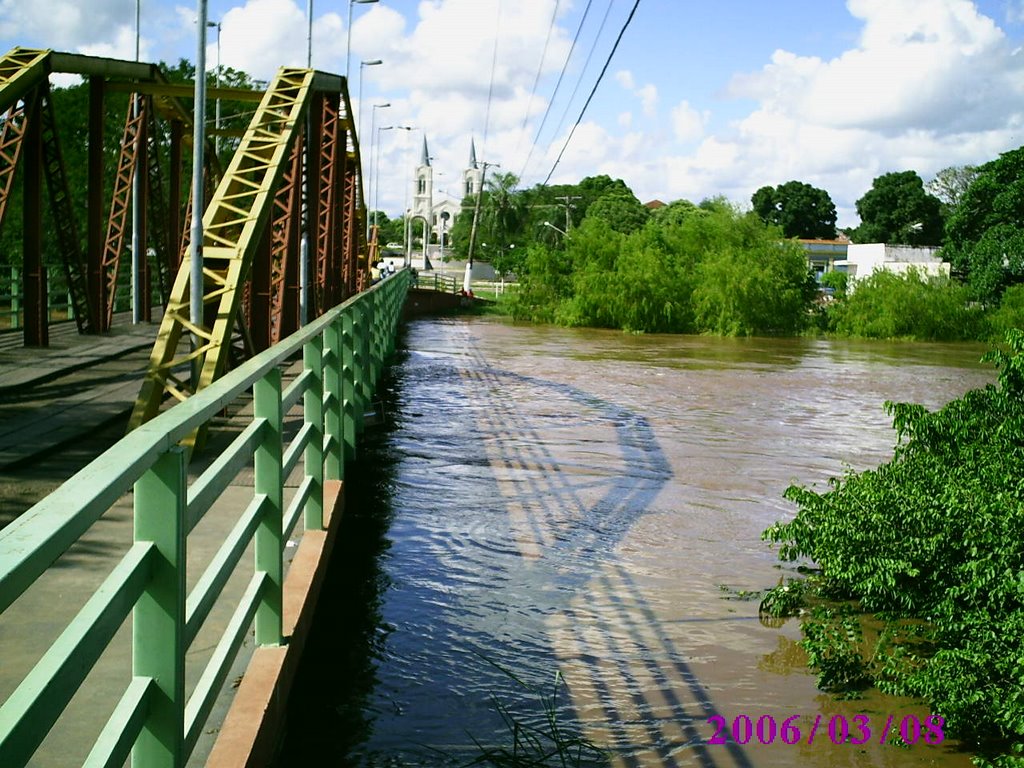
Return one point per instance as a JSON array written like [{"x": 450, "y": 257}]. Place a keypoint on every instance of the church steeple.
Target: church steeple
[
  {"x": 425, "y": 160},
  {"x": 472, "y": 177}
]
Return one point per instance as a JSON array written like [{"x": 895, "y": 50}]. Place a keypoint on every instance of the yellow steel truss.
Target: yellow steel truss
[
  {"x": 21, "y": 69},
  {"x": 233, "y": 224}
]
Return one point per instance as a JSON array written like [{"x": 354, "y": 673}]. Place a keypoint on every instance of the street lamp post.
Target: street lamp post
[
  {"x": 198, "y": 204},
  {"x": 348, "y": 44},
  {"x": 138, "y": 247},
  {"x": 216, "y": 82},
  {"x": 549, "y": 224},
  {"x": 373, "y": 120},
  {"x": 370, "y": 63},
  {"x": 376, "y": 165}
]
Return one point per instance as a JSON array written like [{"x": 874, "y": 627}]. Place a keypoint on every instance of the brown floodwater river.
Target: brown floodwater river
[{"x": 540, "y": 500}]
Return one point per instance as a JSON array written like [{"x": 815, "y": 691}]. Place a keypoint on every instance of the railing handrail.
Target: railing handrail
[
  {"x": 344, "y": 349},
  {"x": 442, "y": 283}
]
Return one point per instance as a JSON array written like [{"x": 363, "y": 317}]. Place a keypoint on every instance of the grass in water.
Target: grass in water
[{"x": 550, "y": 744}]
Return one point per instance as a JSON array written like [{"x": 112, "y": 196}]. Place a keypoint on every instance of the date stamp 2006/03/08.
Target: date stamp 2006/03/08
[{"x": 838, "y": 729}]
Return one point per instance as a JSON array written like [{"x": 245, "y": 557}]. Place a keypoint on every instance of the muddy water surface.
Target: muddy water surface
[{"x": 590, "y": 503}]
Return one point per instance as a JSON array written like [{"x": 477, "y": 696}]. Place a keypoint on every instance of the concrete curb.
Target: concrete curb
[{"x": 250, "y": 733}]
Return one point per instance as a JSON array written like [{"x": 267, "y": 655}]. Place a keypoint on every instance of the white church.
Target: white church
[{"x": 432, "y": 219}]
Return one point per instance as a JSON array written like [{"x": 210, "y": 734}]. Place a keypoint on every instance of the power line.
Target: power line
[
  {"x": 594, "y": 90},
  {"x": 583, "y": 72},
  {"x": 494, "y": 66},
  {"x": 554, "y": 93},
  {"x": 536, "y": 79}
]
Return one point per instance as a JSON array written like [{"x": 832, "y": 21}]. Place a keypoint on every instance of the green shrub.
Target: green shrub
[
  {"x": 932, "y": 542},
  {"x": 912, "y": 305}
]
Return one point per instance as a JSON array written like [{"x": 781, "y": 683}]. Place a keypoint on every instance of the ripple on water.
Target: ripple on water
[{"x": 576, "y": 501}]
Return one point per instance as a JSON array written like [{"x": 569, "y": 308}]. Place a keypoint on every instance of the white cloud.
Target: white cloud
[
  {"x": 687, "y": 122},
  {"x": 930, "y": 83},
  {"x": 263, "y": 35},
  {"x": 647, "y": 94}
]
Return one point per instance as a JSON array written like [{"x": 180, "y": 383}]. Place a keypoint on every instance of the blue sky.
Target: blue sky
[{"x": 700, "y": 99}]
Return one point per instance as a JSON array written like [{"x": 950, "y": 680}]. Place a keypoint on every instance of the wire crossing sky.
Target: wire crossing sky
[{"x": 700, "y": 100}]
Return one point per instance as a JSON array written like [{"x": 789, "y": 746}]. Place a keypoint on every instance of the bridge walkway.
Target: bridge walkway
[{"x": 105, "y": 715}]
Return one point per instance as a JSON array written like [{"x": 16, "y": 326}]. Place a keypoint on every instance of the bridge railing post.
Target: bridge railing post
[
  {"x": 268, "y": 481},
  {"x": 313, "y": 413},
  {"x": 372, "y": 356},
  {"x": 334, "y": 372},
  {"x": 158, "y": 647},
  {"x": 391, "y": 312},
  {"x": 361, "y": 361},
  {"x": 350, "y": 404}
]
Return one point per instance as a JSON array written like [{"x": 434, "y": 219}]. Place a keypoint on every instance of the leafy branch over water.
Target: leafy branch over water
[{"x": 932, "y": 542}]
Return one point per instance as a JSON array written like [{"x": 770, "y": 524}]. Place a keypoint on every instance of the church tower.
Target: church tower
[
  {"x": 472, "y": 177},
  {"x": 423, "y": 191}
]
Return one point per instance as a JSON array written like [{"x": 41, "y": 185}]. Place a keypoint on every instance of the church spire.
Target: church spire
[
  {"x": 425, "y": 160},
  {"x": 472, "y": 153}
]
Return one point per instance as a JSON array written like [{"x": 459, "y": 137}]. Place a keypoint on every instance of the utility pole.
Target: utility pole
[
  {"x": 472, "y": 231},
  {"x": 568, "y": 204}
]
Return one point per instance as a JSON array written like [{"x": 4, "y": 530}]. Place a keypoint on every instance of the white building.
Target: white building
[{"x": 862, "y": 259}]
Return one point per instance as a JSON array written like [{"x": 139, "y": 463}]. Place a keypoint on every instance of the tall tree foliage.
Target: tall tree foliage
[
  {"x": 621, "y": 211},
  {"x": 714, "y": 270},
  {"x": 950, "y": 184},
  {"x": 898, "y": 210},
  {"x": 985, "y": 232},
  {"x": 798, "y": 209}
]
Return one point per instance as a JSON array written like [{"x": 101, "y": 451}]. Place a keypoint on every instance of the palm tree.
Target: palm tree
[{"x": 502, "y": 217}]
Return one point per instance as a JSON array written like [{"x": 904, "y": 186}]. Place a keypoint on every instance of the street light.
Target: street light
[
  {"x": 549, "y": 224},
  {"x": 376, "y": 171},
  {"x": 138, "y": 248},
  {"x": 348, "y": 45},
  {"x": 370, "y": 63},
  {"x": 216, "y": 81},
  {"x": 373, "y": 120},
  {"x": 196, "y": 276}
]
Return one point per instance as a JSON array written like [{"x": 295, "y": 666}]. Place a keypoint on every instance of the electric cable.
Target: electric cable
[
  {"x": 536, "y": 79},
  {"x": 490, "y": 88},
  {"x": 600, "y": 77},
  {"x": 583, "y": 72},
  {"x": 554, "y": 93}
]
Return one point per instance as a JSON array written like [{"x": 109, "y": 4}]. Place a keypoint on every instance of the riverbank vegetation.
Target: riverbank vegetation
[
  {"x": 932, "y": 544},
  {"x": 592, "y": 255}
]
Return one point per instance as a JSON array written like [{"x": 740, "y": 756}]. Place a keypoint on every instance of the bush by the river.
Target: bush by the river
[
  {"x": 932, "y": 543},
  {"x": 715, "y": 270},
  {"x": 912, "y": 305}
]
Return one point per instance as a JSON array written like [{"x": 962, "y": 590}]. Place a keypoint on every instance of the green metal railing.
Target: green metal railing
[
  {"x": 343, "y": 353},
  {"x": 436, "y": 282}
]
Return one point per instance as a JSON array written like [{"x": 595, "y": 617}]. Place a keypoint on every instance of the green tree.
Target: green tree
[
  {"x": 898, "y": 210},
  {"x": 388, "y": 230},
  {"x": 985, "y": 232},
  {"x": 799, "y": 209},
  {"x": 501, "y": 222},
  {"x": 675, "y": 213},
  {"x": 748, "y": 283},
  {"x": 622, "y": 211},
  {"x": 930, "y": 542}
]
